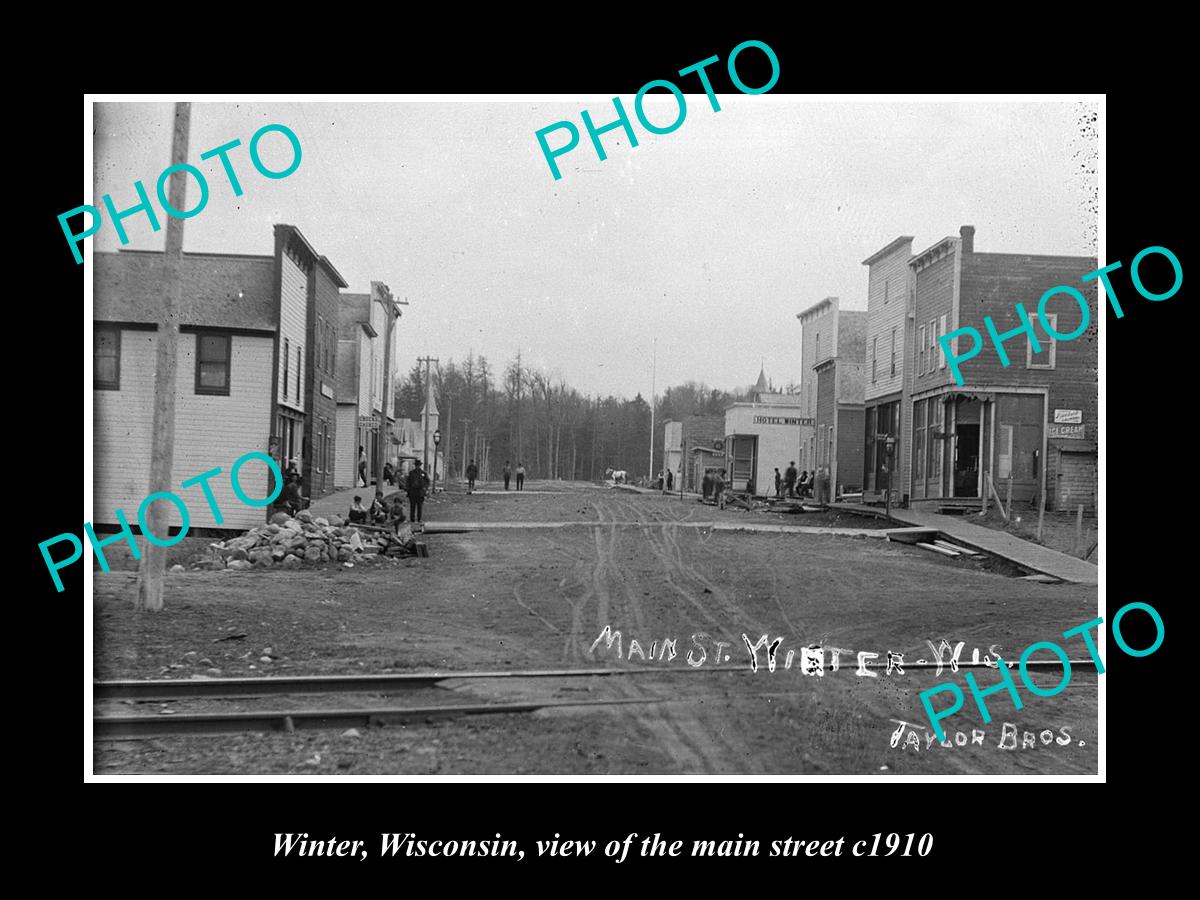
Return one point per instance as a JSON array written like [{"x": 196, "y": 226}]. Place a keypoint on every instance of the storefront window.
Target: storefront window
[
  {"x": 919, "y": 428},
  {"x": 937, "y": 426}
]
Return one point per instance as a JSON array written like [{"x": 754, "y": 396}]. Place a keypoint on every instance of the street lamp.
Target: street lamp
[{"x": 437, "y": 439}]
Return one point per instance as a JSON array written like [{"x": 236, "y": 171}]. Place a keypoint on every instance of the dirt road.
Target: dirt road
[{"x": 683, "y": 596}]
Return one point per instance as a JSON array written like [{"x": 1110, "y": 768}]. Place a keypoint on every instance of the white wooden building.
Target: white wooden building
[{"x": 226, "y": 354}]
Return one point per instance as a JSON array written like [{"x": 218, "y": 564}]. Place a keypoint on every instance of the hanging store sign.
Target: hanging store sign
[{"x": 1068, "y": 416}]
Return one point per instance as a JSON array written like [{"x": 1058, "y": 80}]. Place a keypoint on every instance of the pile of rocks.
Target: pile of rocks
[{"x": 292, "y": 542}]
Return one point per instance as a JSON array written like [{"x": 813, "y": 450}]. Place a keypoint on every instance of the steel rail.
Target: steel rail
[
  {"x": 126, "y": 727},
  {"x": 166, "y": 689},
  {"x": 189, "y": 688}
]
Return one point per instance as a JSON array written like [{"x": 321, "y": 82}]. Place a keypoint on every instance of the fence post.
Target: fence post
[{"x": 1041, "y": 514}]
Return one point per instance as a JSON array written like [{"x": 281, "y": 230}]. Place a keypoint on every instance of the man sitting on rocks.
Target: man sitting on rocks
[
  {"x": 358, "y": 512},
  {"x": 293, "y": 501}
]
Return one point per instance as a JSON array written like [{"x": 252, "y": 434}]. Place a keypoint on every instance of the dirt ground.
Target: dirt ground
[
  {"x": 1058, "y": 530},
  {"x": 526, "y": 598}
]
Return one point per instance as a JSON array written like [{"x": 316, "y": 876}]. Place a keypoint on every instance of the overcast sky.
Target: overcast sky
[{"x": 711, "y": 238}]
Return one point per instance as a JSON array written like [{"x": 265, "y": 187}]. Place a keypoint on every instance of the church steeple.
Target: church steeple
[{"x": 762, "y": 386}]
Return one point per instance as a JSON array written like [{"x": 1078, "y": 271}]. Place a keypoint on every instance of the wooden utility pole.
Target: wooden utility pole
[
  {"x": 449, "y": 439},
  {"x": 653, "y": 388},
  {"x": 425, "y": 414},
  {"x": 466, "y": 440},
  {"x": 391, "y": 315},
  {"x": 162, "y": 447}
]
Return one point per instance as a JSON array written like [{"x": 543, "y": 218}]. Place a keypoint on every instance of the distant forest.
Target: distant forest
[{"x": 525, "y": 415}]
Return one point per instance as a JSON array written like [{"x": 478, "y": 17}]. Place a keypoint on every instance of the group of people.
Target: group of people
[
  {"x": 390, "y": 472},
  {"x": 793, "y": 485},
  {"x": 669, "y": 477},
  {"x": 508, "y": 474},
  {"x": 381, "y": 511}
]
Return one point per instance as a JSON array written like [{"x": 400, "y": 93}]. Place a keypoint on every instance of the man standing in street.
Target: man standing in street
[
  {"x": 362, "y": 464},
  {"x": 789, "y": 479},
  {"x": 520, "y": 476},
  {"x": 778, "y": 485},
  {"x": 507, "y": 474},
  {"x": 415, "y": 485},
  {"x": 719, "y": 488},
  {"x": 472, "y": 474}
]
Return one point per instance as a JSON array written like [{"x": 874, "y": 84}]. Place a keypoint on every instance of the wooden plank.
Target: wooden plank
[
  {"x": 911, "y": 535},
  {"x": 937, "y": 549},
  {"x": 957, "y": 548}
]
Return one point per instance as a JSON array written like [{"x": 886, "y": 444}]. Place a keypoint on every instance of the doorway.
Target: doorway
[
  {"x": 966, "y": 460},
  {"x": 743, "y": 460}
]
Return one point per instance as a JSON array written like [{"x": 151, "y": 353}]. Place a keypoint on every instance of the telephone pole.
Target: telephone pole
[
  {"x": 425, "y": 412},
  {"x": 653, "y": 387},
  {"x": 391, "y": 309},
  {"x": 466, "y": 441},
  {"x": 162, "y": 448}
]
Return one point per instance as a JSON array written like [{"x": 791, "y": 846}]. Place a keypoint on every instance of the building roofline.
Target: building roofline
[
  {"x": 192, "y": 254},
  {"x": 337, "y": 276},
  {"x": 1040, "y": 256},
  {"x": 904, "y": 238},
  {"x": 916, "y": 258},
  {"x": 828, "y": 301}
]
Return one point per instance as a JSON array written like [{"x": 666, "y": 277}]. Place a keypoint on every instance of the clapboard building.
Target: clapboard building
[
  {"x": 365, "y": 415},
  {"x": 246, "y": 381},
  {"x": 889, "y": 298},
  {"x": 229, "y": 336},
  {"x": 1033, "y": 422},
  {"x": 690, "y": 445},
  {"x": 839, "y": 404},
  {"x": 306, "y": 394}
]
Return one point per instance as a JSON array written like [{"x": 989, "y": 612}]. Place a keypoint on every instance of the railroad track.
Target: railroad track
[
  {"x": 123, "y": 727},
  {"x": 111, "y": 727}
]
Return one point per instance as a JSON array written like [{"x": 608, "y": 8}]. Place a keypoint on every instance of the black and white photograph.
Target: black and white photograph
[{"x": 706, "y": 431}]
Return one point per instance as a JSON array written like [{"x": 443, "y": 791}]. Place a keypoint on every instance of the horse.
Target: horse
[{"x": 618, "y": 476}]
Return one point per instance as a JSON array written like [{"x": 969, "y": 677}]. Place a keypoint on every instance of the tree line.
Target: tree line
[{"x": 525, "y": 414}]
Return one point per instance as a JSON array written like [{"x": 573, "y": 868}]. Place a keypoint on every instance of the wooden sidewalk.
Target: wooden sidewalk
[{"x": 989, "y": 540}]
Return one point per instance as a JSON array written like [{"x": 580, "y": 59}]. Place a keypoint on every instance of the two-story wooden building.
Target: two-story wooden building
[
  {"x": 256, "y": 363},
  {"x": 365, "y": 412},
  {"x": 306, "y": 391},
  {"x": 1033, "y": 421},
  {"x": 888, "y": 330},
  {"x": 229, "y": 333}
]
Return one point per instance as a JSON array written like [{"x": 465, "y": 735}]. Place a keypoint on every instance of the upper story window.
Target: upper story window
[
  {"x": 287, "y": 355},
  {"x": 874, "y": 358},
  {"x": 1047, "y": 358},
  {"x": 893, "y": 349},
  {"x": 921, "y": 351},
  {"x": 213, "y": 353},
  {"x": 106, "y": 358},
  {"x": 319, "y": 337},
  {"x": 885, "y": 290}
]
